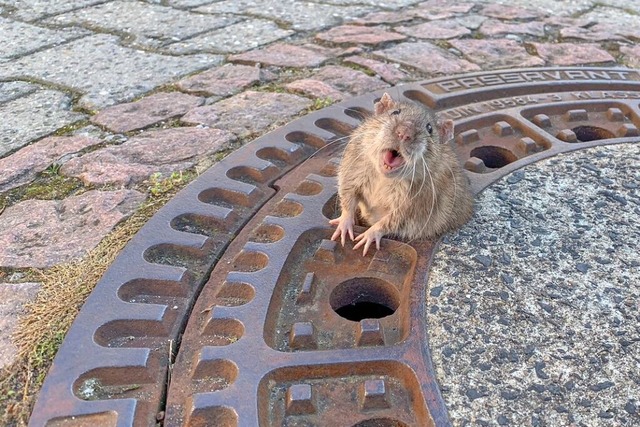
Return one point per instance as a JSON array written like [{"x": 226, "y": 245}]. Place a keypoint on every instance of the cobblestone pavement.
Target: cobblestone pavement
[{"x": 97, "y": 96}]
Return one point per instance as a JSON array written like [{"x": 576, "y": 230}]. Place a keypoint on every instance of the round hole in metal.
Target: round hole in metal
[
  {"x": 494, "y": 157},
  {"x": 364, "y": 298},
  {"x": 591, "y": 133}
]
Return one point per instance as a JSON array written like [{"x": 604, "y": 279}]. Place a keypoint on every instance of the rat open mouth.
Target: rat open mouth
[{"x": 391, "y": 160}]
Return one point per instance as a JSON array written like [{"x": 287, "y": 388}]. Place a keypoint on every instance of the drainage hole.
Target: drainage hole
[
  {"x": 364, "y": 298},
  {"x": 591, "y": 133},
  {"x": 494, "y": 157}
]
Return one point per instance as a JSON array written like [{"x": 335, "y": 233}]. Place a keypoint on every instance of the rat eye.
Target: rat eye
[
  {"x": 395, "y": 112},
  {"x": 429, "y": 128}
]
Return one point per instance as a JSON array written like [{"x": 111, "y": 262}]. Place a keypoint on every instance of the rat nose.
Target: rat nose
[{"x": 404, "y": 132}]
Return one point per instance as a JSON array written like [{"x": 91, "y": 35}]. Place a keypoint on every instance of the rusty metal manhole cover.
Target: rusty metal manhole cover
[{"x": 232, "y": 306}]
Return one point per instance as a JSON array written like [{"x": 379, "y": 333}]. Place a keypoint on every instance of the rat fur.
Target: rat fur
[{"x": 400, "y": 174}]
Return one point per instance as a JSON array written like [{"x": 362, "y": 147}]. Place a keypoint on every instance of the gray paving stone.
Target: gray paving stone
[
  {"x": 613, "y": 16},
  {"x": 283, "y": 55},
  {"x": 34, "y": 116},
  {"x": 12, "y": 90},
  {"x": 629, "y": 5},
  {"x": 300, "y": 15},
  {"x": 235, "y": 38},
  {"x": 18, "y": 39},
  {"x": 31, "y": 10},
  {"x": 13, "y": 297},
  {"x": 43, "y": 233},
  {"x": 153, "y": 25},
  {"x": 426, "y": 57},
  {"x": 563, "y": 346},
  {"x": 164, "y": 151},
  {"x": 188, "y": 3},
  {"x": 105, "y": 72},
  {"x": 249, "y": 112},
  {"x": 22, "y": 167}
]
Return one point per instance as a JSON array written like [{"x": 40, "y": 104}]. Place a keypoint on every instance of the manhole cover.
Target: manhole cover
[{"x": 232, "y": 306}]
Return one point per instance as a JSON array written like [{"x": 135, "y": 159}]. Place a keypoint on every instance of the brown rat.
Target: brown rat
[{"x": 401, "y": 173}]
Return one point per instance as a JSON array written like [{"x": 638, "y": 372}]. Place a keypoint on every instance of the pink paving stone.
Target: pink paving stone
[
  {"x": 43, "y": 233},
  {"x": 496, "y": 53},
  {"x": 348, "y": 80},
  {"x": 13, "y": 297},
  {"x": 359, "y": 34},
  {"x": 436, "y": 30},
  {"x": 493, "y": 27},
  {"x": 597, "y": 33},
  {"x": 501, "y": 11},
  {"x": 163, "y": 151},
  {"x": 224, "y": 81},
  {"x": 376, "y": 18},
  {"x": 633, "y": 55},
  {"x": 23, "y": 166},
  {"x": 315, "y": 89},
  {"x": 282, "y": 55},
  {"x": 427, "y": 57},
  {"x": 249, "y": 112},
  {"x": 148, "y": 111},
  {"x": 572, "y": 53},
  {"x": 390, "y": 73},
  {"x": 434, "y": 10}
]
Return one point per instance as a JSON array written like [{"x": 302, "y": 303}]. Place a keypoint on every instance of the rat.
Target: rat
[{"x": 400, "y": 174}]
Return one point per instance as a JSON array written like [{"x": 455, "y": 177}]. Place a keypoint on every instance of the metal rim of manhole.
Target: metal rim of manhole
[{"x": 232, "y": 306}]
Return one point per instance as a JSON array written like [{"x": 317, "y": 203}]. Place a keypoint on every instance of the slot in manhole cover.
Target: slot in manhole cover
[{"x": 272, "y": 322}]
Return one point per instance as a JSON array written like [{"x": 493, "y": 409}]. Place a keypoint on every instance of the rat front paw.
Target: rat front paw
[
  {"x": 345, "y": 226},
  {"x": 367, "y": 238}
]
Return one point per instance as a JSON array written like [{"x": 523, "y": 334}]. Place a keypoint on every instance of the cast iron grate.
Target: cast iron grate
[{"x": 232, "y": 307}]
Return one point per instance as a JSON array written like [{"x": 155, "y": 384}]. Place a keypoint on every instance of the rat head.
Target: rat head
[{"x": 406, "y": 133}]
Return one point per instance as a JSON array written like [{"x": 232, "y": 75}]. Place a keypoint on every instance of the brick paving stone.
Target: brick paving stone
[
  {"x": 23, "y": 166},
  {"x": 632, "y": 54},
  {"x": 426, "y": 57},
  {"x": 493, "y": 27},
  {"x": 43, "y": 233},
  {"x": 164, "y": 151},
  {"x": 436, "y": 30},
  {"x": 282, "y": 55},
  {"x": 224, "y": 81},
  {"x": 13, "y": 90},
  {"x": 235, "y": 38},
  {"x": 596, "y": 33},
  {"x": 359, "y": 34},
  {"x": 315, "y": 89},
  {"x": 105, "y": 72},
  {"x": 390, "y": 73},
  {"x": 31, "y": 10},
  {"x": 248, "y": 112},
  {"x": 472, "y": 22},
  {"x": 510, "y": 12},
  {"x": 299, "y": 15},
  {"x": 153, "y": 25},
  {"x": 552, "y": 7},
  {"x": 434, "y": 10},
  {"x": 13, "y": 297},
  {"x": 18, "y": 39},
  {"x": 572, "y": 53},
  {"x": 148, "y": 111},
  {"x": 376, "y": 18},
  {"x": 347, "y": 80},
  {"x": 34, "y": 116},
  {"x": 496, "y": 53}
]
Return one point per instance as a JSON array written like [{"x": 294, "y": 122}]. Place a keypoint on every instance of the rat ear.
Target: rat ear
[
  {"x": 386, "y": 103},
  {"x": 445, "y": 129}
]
